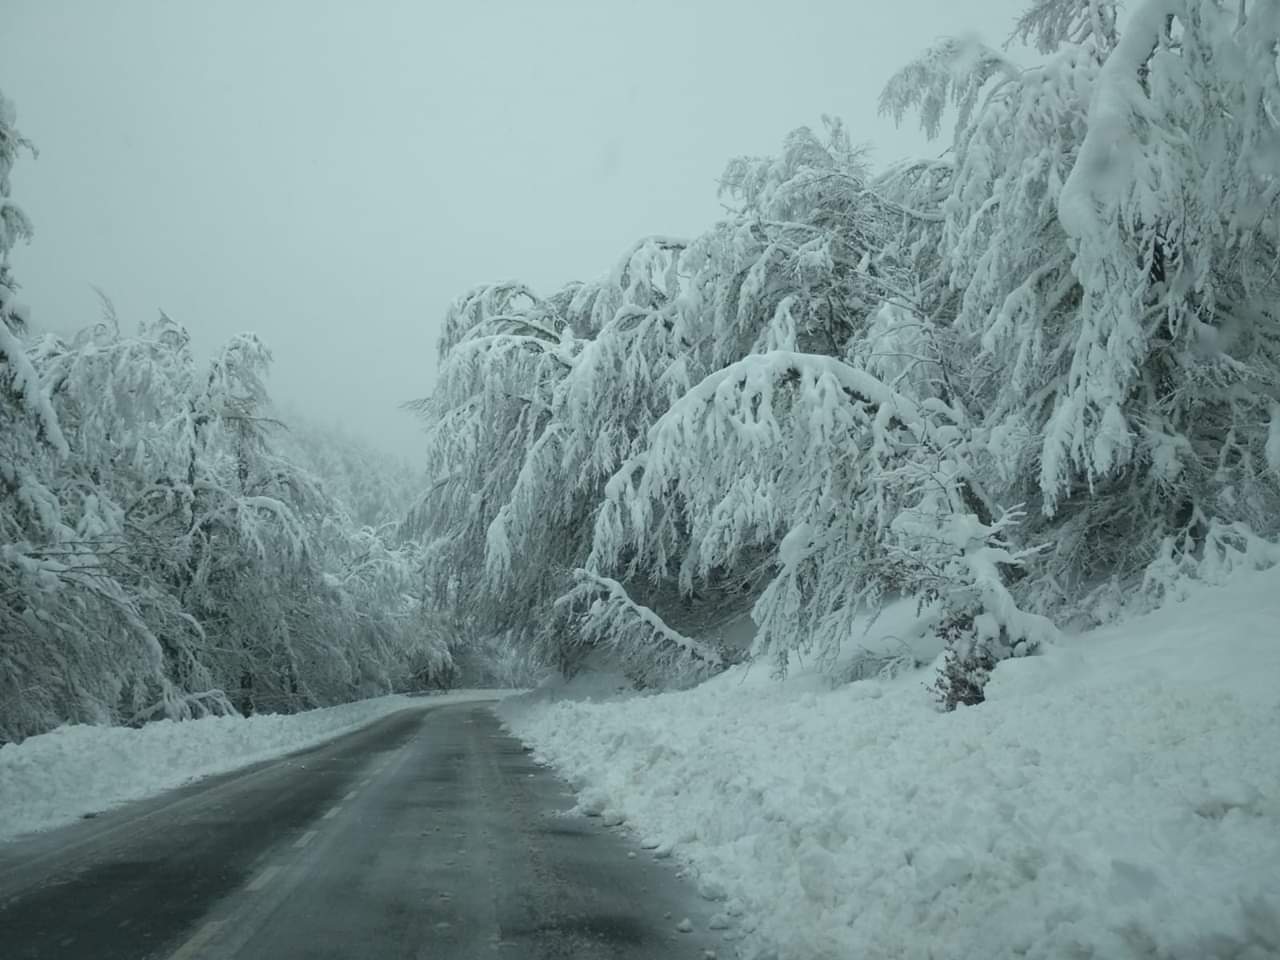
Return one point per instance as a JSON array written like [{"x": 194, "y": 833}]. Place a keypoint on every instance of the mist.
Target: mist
[{"x": 331, "y": 175}]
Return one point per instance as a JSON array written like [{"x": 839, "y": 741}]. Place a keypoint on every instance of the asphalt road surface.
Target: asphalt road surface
[{"x": 430, "y": 834}]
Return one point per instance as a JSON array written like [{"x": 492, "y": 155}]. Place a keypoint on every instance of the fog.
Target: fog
[{"x": 330, "y": 175}]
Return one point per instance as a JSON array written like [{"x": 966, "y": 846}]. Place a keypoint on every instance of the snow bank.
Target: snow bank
[
  {"x": 1117, "y": 797},
  {"x": 59, "y": 776}
]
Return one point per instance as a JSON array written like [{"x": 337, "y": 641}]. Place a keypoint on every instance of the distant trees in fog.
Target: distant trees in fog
[{"x": 168, "y": 548}]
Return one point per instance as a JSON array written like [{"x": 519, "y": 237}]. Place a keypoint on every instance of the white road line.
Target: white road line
[
  {"x": 349, "y": 796},
  {"x": 262, "y": 879},
  {"x": 306, "y": 838},
  {"x": 203, "y": 936},
  {"x": 333, "y": 812},
  {"x": 366, "y": 781}
]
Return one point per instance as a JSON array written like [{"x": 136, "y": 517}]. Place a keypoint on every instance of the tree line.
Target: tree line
[
  {"x": 168, "y": 548},
  {"x": 1030, "y": 382}
]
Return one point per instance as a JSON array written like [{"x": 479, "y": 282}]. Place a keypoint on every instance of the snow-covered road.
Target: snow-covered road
[{"x": 428, "y": 833}]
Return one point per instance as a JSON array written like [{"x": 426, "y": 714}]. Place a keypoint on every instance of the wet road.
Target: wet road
[{"x": 428, "y": 834}]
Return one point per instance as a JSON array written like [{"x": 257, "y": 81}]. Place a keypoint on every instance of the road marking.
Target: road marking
[
  {"x": 333, "y": 812},
  {"x": 349, "y": 796},
  {"x": 366, "y": 781},
  {"x": 306, "y": 838},
  {"x": 262, "y": 879},
  {"x": 203, "y": 936}
]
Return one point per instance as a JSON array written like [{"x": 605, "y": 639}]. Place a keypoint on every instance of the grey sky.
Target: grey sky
[{"x": 331, "y": 174}]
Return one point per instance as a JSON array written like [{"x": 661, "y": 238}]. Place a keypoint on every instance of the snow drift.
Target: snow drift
[{"x": 1118, "y": 796}]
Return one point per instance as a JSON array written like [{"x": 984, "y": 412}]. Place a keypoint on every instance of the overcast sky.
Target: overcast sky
[{"x": 331, "y": 174}]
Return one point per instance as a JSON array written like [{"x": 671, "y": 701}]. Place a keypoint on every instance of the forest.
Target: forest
[
  {"x": 1032, "y": 382},
  {"x": 169, "y": 548}
]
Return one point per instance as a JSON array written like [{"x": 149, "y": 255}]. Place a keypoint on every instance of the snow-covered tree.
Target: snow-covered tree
[
  {"x": 1173, "y": 214},
  {"x": 502, "y": 353},
  {"x": 862, "y": 491},
  {"x": 547, "y": 400},
  {"x": 1007, "y": 381},
  {"x": 617, "y": 382},
  {"x": 1077, "y": 252},
  {"x": 22, "y": 390},
  {"x": 61, "y": 627},
  {"x": 161, "y": 553},
  {"x": 795, "y": 265},
  {"x": 183, "y": 565}
]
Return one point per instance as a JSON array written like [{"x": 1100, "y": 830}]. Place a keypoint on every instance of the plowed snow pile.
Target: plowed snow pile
[
  {"x": 77, "y": 769},
  {"x": 1117, "y": 796}
]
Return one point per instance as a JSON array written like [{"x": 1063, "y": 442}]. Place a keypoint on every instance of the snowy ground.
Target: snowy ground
[
  {"x": 1117, "y": 797},
  {"x": 59, "y": 776}
]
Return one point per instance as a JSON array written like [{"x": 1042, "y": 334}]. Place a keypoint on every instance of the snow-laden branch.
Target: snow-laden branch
[
  {"x": 640, "y": 640},
  {"x": 800, "y": 454}
]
